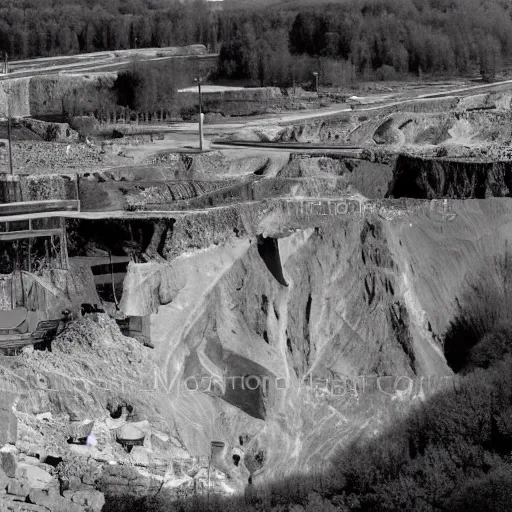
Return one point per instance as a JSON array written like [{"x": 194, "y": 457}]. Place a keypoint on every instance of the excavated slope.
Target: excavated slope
[
  {"x": 454, "y": 121},
  {"x": 364, "y": 296},
  {"x": 274, "y": 290},
  {"x": 335, "y": 297}
]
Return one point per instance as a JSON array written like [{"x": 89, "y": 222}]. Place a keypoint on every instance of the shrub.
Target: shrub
[
  {"x": 485, "y": 310},
  {"x": 84, "y": 125},
  {"x": 492, "y": 347},
  {"x": 489, "y": 493},
  {"x": 386, "y": 73}
]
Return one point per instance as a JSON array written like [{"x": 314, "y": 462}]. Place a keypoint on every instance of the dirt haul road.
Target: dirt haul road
[{"x": 99, "y": 61}]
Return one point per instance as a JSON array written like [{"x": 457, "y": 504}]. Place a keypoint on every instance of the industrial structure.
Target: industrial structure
[{"x": 33, "y": 248}]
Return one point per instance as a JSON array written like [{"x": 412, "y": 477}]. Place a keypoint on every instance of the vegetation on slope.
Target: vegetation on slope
[
  {"x": 148, "y": 87},
  {"x": 452, "y": 453}
]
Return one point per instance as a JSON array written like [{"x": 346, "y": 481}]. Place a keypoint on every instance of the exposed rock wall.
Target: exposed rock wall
[
  {"x": 307, "y": 175},
  {"x": 53, "y": 132},
  {"x": 437, "y": 178},
  {"x": 49, "y": 95},
  {"x": 94, "y": 384},
  {"x": 360, "y": 302},
  {"x": 37, "y": 188},
  {"x": 459, "y": 120},
  {"x": 97, "y": 194},
  {"x": 366, "y": 296},
  {"x": 404, "y": 127},
  {"x": 47, "y": 292},
  {"x": 343, "y": 295},
  {"x": 18, "y": 92},
  {"x": 371, "y": 179}
]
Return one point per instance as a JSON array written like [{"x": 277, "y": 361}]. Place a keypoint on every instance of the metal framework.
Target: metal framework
[{"x": 21, "y": 212}]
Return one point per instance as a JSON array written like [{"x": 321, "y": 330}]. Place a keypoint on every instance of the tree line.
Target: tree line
[
  {"x": 383, "y": 39},
  {"x": 30, "y": 28},
  {"x": 279, "y": 44},
  {"x": 145, "y": 91}
]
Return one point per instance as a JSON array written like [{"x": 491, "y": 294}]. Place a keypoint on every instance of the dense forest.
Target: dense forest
[
  {"x": 280, "y": 43},
  {"x": 382, "y": 39},
  {"x": 30, "y": 28}
]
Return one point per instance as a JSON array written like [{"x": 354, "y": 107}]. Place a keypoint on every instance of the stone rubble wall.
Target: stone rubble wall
[
  {"x": 43, "y": 95},
  {"x": 18, "y": 91}
]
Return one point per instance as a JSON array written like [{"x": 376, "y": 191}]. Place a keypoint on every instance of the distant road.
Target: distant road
[
  {"x": 118, "y": 214},
  {"x": 336, "y": 109},
  {"x": 286, "y": 145},
  {"x": 333, "y": 110},
  {"x": 100, "y": 61}
]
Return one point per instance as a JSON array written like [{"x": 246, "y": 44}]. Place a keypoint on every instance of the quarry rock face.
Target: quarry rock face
[
  {"x": 358, "y": 303},
  {"x": 280, "y": 334},
  {"x": 91, "y": 501},
  {"x": 281, "y": 355},
  {"x": 283, "y": 326},
  {"x": 453, "y": 121},
  {"x": 43, "y": 95},
  {"x": 17, "y": 90}
]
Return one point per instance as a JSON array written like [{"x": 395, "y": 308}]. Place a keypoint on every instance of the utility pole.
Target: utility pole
[
  {"x": 208, "y": 488},
  {"x": 198, "y": 80},
  {"x": 6, "y": 69},
  {"x": 9, "y": 131}
]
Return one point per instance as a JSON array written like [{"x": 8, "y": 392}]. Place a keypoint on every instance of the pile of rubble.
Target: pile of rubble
[
  {"x": 29, "y": 485},
  {"x": 44, "y": 157},
  {"x": 51, "y": 132}
]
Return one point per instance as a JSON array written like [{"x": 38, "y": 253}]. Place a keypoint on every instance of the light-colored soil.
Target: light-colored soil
[
  {"x": 470, "y": 129},
  {"x": 212, "y": 88}
]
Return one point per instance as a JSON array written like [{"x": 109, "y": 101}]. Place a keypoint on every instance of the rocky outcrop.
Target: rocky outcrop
[
  {"x": 308, "y": 175},
  {"x": 26, "y": 483},
  {"x": 49, "y": 95},
  {"x": 18, "y": 92},
  {"x": 90, "y": 500},
  {"x": 51, "y": 132},
  {"x": 454, "y": 121},
  {"x": 241, "y": 359},
  {"x": 437, "y": 178},
  {"x": 277, "y": 356},
  {"x": 26, "y": 187},
  {"x": 359, "y": 302},
  {"x": 47, "y": 292},
  {"x": 66, "y": 405},
  {"x": 97, "y": 192}
]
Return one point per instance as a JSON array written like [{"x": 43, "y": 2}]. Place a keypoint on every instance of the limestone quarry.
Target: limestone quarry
[{"x": 238, "y": 315}]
